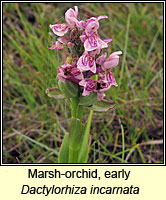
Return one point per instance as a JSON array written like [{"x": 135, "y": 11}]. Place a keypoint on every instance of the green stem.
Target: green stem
[{"x": 76, "y": 109}]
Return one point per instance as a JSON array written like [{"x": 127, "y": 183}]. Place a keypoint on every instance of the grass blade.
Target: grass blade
[
  {"x": 37, "y": 143},
  {"x": 125, "y": 49}
]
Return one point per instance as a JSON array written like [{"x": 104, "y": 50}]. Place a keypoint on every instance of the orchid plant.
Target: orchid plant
[{"x": 84, "y": 77}]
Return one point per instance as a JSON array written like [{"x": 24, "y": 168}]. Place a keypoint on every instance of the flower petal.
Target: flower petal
[
  {"x": 102, "y": 17},
  {"x": 112, "y": 61},
  {"x": 92, "y": 64},
  {"x": 63, "y": 40},
  {"x": 82, "y": 24},
  {"x": 100, "y": 60},
  {"x": 111, "y": 79},
  {"x": 59, "y": 29},
  {"x": 102, "y": 44},
  {"x": 71, "y": 16},
  {"x": 107, "y": 40},
  {"x": 92, "y": 25},
  {"x": 82, "y": 63}
]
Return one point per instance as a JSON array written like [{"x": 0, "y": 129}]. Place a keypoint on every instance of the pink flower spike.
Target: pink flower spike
[
  {"x": 59, "y": 29},
  {"x": 71, "y": 16},
  {"x": 112, "y": 60}
]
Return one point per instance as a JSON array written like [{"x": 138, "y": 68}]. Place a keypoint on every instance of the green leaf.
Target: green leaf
[
  {"x": 88, "y": 100},
  {"x": 69, "y": 88},
  {"x": 84, "y": 150},
  {"x": 64, "y": 150},
  {"x": 103, "y": 106},
  {"x": 55, "y": 93}
]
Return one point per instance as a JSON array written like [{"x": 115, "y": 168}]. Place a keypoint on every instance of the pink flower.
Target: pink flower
[
  {"x": 89, "y": 86},
  {"x": 109, "y": 78},
  {"x": 70, "y": 72},
  {"x": 93, "y": 42},
  {"x": 90, "y": 37},
  {"x": 80, "y": 66},
  {"x": 59, "y": 29},
  {"x": 71, "y": 19},
  {"x": 91, "y": 25},
  {"x": 59, "y": 44},
  {"x": 82, "y": 24},
  {"x": 63, "y": 40},
  {"x": 71, "y": 16},
  {"x": 56, "y": 45},
  {"x": 87, "y": 62},
  {"x": 70, "y": 44},
  {"x": 104, "y": 84},
  {"x": 111, "y": 61}
]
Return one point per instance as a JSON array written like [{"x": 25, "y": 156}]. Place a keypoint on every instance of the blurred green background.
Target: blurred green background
[{"x": 34, "y": 124}]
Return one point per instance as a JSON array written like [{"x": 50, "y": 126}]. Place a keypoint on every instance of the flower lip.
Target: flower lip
[{"x": 87, "y": 62}]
